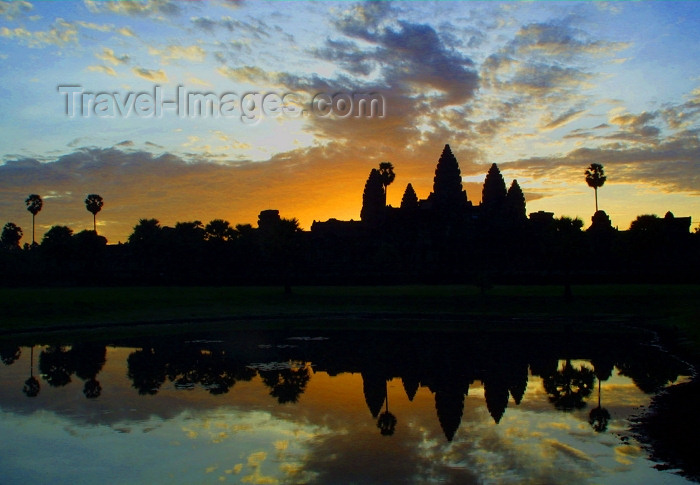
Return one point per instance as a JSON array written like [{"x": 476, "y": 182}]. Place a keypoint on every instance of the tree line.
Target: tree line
[{"x": 444, "y": 238}]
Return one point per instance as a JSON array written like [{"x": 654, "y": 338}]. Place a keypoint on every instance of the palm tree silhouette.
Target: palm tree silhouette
[
  {"x": 31, "y": 386},
  {"x": 34, "y": 205},
  {"x": 599, "y": 416},
  {"x": 386, "y": 170},
  {"x": 595, "y": 177},
  {"x": 94, "y": 203},
  {"x": 387, "y": 421}
]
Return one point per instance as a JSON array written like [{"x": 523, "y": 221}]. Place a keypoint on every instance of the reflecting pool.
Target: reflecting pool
[{"x": 331, "y": 407}]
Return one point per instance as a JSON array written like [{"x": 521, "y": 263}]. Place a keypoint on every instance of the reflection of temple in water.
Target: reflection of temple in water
[{"x": 446, "y": 364}]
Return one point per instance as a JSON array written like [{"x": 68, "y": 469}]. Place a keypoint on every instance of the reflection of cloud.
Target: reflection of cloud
[
  {"x": 255, "y": 461},
  {"x": 567, "y": 450},
  {"x": 627, "y": 453}
]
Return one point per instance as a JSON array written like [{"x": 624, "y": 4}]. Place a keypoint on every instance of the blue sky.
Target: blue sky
[{"x": 541, "y": 88}]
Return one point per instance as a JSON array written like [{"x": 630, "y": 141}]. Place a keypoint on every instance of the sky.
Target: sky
[{"x": 103, "y": 97}]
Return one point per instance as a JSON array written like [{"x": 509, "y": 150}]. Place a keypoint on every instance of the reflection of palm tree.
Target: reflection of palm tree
[
  {"x": 387, "y": 421},
  {"x": 569, "y": 387},
  {"x": 31, "y": 386},
  {"x": 9, "y": 354},
  {"x": 599, "y": 416},
  {"x": 92, "y": 388}
]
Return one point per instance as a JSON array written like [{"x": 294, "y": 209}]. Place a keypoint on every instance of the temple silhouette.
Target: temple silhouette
[{"x": 442, "y": 239}]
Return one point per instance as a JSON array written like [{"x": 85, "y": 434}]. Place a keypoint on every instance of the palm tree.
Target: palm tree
[
  {"x": 595, "y": 177},
  {"x": 386, "y": 170},
  {"x": 34, "y": 205},
  {"x": 94, "y": 203}
]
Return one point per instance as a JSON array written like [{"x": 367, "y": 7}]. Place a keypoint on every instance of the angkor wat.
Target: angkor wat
[{"x": 443, "y": 238}]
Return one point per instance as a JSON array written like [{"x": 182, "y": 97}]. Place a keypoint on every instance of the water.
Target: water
[{"x": 335, "y": 407}]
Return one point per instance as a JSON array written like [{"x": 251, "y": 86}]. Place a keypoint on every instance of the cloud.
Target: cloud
[
  {"x": 683, "y": 115},
  {"x": 562, "y": 119},
  {"x": 248, "y": 74},
  {"x": 103, "y": 69},
  {"x": 94, "y": 26},
  {"x": 60, "y": 34},
  {"x": 559, "y": 40},
  {"x": 15, "y": 9},
  {"x": 672, "y": 165},
  {"x": 253, "y": 27},
  {"x": 108, "y": 55},
  {"x": 199, "y": 82},
  {"x": 141, "y": 8},
  {"x": 411, "y": 58},
  {"x": 126, "y": 32},
  {"x": 158, "y": 76},
  {"x": 175, "y": 52}
]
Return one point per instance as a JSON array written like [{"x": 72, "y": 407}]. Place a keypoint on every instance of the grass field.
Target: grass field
[{"x": 396, "y": 307}]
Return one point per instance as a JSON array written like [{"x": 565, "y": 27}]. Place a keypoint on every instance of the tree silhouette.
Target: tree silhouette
[
  {"x": 219, "y": 230},
  {"x": 386, "y": 171},
  {"x": 34, "y": 205},
  {"x": 280, "y": 241},
  {"x": 11, "y": 235},
  {"x": 595, "y": 178},
  {"x": 55, "y": 364},
  {"x": 94, "y": 203},
  {"x": 57, "y": 245},
  {"x": 88, "y": 360},
  {"x": 567, "y": 247},
  {"x": 145, "y": 232},
  {"x": 568, "y": 387},
  {"x": 146, "y": 370},
  {"x": 286, "y": 385},
  {"x": 409, "y": 201},
  {"x": 9, "y": 353}
]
